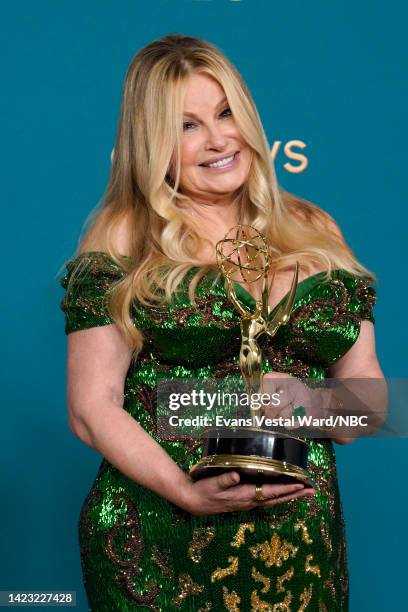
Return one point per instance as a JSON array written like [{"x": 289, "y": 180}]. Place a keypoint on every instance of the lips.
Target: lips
[{"x": 219, "y": 158}]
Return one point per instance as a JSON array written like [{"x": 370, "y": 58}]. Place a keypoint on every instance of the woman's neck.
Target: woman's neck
[{"x": 215, "y": 220}]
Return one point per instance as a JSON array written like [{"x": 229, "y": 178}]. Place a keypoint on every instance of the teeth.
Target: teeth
[{"x": 221, "y": 162}]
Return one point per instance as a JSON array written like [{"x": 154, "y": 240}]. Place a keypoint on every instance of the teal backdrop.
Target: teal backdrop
[{"x": 329, "y": 74}]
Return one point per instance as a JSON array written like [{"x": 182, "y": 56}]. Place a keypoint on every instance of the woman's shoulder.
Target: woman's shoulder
[
  {"x": 97, "y": 267},
  {"x": 89, "y": 278}
]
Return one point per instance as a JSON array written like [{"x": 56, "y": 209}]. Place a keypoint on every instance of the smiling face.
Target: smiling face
[{"x": 215, "y": 159}]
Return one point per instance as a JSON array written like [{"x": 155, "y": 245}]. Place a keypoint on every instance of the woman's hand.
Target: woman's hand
[
  {"x": 224, "y": 493},
  {"x": 292, "y": 394}
]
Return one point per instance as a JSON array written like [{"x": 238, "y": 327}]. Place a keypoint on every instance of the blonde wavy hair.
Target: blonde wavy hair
[{"x": 143, "y": 186}]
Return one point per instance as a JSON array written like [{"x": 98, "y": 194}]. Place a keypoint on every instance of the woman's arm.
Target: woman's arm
[
  {"x": 361, "y": 362},
  {"x": 97, "y": 363},
  {"x": 360, "y": 398}
]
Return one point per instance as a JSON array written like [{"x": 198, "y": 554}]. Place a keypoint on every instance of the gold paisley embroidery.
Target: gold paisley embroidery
[
  {"x": 283, "y": 606},
  {"x": 162, "y": 559},
  {"x": 231, "y": 600},
  {"x": 220, "y": 573},
  {"x": 274, "y": 552},
  {"x": 305, "y": 534},
  {"x": 129, "y": 567},
  {"x": 261, "y": 578},
  {"x": 325, "y": 536},
  {"x": 205, "y": 310},
  {"x": 366, "y": 297},
  {"x": 257, "y": 605},
  {"x": 281, "y": 579},
  {"x": 329, "y": 584},
  {"x": 94, "y": 497},
  {"x": 305, "y": 598},
  {"x": 239, "y": 537},
  {"x": 274, "y": 521},
  {"x": 313, "y": 569},
  {"x": 187, "y": 587},
  {"x": 201, "y": 538}
]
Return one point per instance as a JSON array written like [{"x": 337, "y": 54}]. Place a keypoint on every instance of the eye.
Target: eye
[
  {"x": 186, "y": 124},
  {"x": 227, "y": 110}
]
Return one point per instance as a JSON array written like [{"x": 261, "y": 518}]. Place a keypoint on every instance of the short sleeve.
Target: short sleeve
[
  {"x": 87, "y": 281},
  {"x": 362, "y": 297},
  {"x": 334, "y": 316}
]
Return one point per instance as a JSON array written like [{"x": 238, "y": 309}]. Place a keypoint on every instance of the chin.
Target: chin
[{"x": 226, "y": 187}]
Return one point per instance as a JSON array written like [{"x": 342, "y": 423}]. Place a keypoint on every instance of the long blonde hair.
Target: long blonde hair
[{"x": 143, "y": 185}]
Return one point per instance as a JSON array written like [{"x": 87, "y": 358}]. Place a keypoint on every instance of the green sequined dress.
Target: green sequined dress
[{"x": 141, "y": 552}]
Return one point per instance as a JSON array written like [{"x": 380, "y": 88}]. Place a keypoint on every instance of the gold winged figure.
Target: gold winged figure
[{"x": 250, "y": 249}]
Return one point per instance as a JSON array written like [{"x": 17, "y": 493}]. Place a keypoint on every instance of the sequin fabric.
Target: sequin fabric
[{"x": 291, "y": 557}]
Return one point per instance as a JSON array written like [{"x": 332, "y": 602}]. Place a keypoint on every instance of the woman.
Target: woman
[{"x": 143, "y": 303}]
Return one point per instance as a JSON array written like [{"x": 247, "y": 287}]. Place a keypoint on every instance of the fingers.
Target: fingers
[
  {"x": 276, "y": 490},
  {"x": 292, "y": 393},
  {"x": 245, "y": 494},
  {"x": 242, "y": 497},
  {"x": 286, "y": 411},
  {"x": 227, "y": 480},
  {"x": 285, "y": 498},
  {"x": 247, "y": 491},
  {"x": 278, "y": 375}
]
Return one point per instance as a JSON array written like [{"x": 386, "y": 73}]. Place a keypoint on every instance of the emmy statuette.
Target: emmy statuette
[{"x": 259, "y": 455}]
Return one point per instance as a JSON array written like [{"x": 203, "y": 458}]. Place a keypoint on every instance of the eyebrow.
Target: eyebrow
[{"x": 220, "y": 103}]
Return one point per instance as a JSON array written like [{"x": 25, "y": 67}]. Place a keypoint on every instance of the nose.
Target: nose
[{"x": 215, "y": 137}]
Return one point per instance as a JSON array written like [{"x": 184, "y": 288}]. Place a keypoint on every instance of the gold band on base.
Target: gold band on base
[{"x": 253, "y": 463}]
